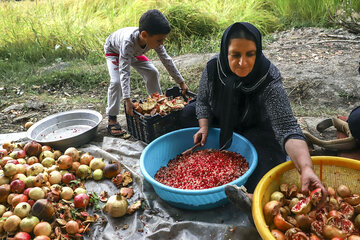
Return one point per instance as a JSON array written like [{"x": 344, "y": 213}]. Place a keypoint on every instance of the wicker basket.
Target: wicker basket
[{"x": 332, "y": 171}]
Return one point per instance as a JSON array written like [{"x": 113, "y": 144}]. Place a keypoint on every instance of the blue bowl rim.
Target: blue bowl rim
[{"x": 194, "y": 192}]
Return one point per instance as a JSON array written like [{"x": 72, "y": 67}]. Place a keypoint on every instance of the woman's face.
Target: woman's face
[{"x": 241, "y": 56}]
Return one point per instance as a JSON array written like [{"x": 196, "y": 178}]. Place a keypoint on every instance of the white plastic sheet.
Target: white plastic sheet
[{"x": 158, "y": 220}]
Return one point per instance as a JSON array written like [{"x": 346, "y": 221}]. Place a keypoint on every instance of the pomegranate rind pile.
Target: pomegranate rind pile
[
  {"x": 293, "y": 215},
  {"x": 160, "y": 104},
  {"x": 202, "y": 169},
  {"x": 43, "y": 194}
]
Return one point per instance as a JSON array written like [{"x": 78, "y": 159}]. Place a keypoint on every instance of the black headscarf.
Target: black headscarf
[{"x": 233, "y": 90}]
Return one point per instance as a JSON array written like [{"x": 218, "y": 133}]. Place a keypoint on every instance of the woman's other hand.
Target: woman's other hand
[{"x": 202, "y": 134}]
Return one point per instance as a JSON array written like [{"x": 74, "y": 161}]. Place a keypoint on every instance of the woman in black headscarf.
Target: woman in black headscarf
[{"x": 241, "y": 90}]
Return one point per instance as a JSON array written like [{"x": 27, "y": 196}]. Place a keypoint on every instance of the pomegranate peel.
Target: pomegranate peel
[
  {"x": 315, "y": 196},
  {"x": 302, "y": 206},
  {"x": 281, "y": 223}
]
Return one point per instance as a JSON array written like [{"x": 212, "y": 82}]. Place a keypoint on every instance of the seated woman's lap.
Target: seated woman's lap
[{"x": 270, "y": 154}]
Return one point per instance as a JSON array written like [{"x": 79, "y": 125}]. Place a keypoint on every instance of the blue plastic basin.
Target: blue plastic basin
[{"x": 160, "y": 151}]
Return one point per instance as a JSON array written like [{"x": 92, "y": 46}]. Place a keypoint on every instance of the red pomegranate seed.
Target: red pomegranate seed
[{"x": 202, "y": 169}]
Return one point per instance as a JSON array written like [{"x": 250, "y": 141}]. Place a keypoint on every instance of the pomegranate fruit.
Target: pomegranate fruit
[
  {"x": 2, "y": 210},
  {"x": 73, "y": 153},
  {"x": 75, "y": 166},
  {"x": 4, "y": 192},
  {"x": 9, "y": 146},
  {"x": 27, "y": 224},
  {"x": 46, "y": 148},
  {"x": 347, "y": 210},
  {"x": 113, "y": 169},
  {"x": 81, "y": 200},
  {"x": 278, "y": 235},
  {"x": 343, "y": 191},
  {"x": 57, "y": 154},
  {"x": 32, "y": 160},
  {"x": 271, "y": 209},
  {"x": 353, "y": 237},
  {"x": 45, "y": 154},
  {"x": 64, "y": 162},
  {"x": 4, "y": 180},
  {"x": 22, "y": 209},
  {"x": 42, "y": 228},
  {"x": 116, "y": 206},
  {"x": 17, "y": 186},
  {"x": 55, "y": 177},
  {"x": 97, "y": 163},
  {"x": 277, "y": 196},
  {"x": 18, "y": 199},
  {"x": 316, "y": 227},
  {"x": 314, "y": 237},
  {"x": 40, "y": 180},
  {"x": 281, "y": 223},
  {"x": 330, "y": 232},
  {"x": 3, "y": 153},
  {"x": 42, "y": 237},
  {"x": 342, "y": 224},
  {"x": 22, "y": 236},
  {"x": 72, "y": 227},
  {"x": 11, "y": 223},
  {"x": 67, "y": 178},
  {"x": 67, "y": 193},
  {"x": 353, "y": 199},
  {"x": 33, "y": 148},
  {"x": 36, "y": 193},
  {"x": 18, "y": 154},
  {"x": 43, "y": 209},
  {"x": 289, "y": 234},
  {"x": 10, "y": 169},
  {"x": 86, "y": 158},
  {"x": 83, "y": 171},
  {"x": 79, "y": 190},
  {"x": 97, "y": 174},
  {"x": 302, "y": 206},
  {"x": 334, "y": 213},
  {"x": 303, "y": 221},
  {"x": 315, "y": 196}
]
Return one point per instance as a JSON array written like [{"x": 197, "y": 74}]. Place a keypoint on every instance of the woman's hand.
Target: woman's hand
[
  {"x": 310, "y": 181},
  {"x": 184, "y": 88},
  {"x": 201, "y": 136},
  {"x": 299, "y": 154},
  {"x": 203, "y": 132},
  {"x": 129, "y": 106}
]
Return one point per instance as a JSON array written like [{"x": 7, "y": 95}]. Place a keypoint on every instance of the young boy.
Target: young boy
[{"x": 125, "y": 48}]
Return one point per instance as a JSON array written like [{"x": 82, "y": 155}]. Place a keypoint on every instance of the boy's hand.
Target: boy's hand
[
  {"x": 184, "y": 88},
  {"x": 129, "y": 106}
]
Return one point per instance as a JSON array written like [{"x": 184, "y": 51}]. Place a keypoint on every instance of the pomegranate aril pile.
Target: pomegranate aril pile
[{"x": 202, "y": 169}]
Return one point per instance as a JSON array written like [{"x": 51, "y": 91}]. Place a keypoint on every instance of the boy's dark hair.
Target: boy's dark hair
[{"x": 154, "y": 22}]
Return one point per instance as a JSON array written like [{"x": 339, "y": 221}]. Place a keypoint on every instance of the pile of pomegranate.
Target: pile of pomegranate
[
  {"x": 292, "y": 215},
  {"x": 202, "y": 169},
  {"x": 43, "y": 194},
  {"x": 160, "y": 104}
]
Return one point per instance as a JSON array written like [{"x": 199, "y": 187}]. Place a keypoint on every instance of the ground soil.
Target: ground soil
[{"x": 319, "y": 69}]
